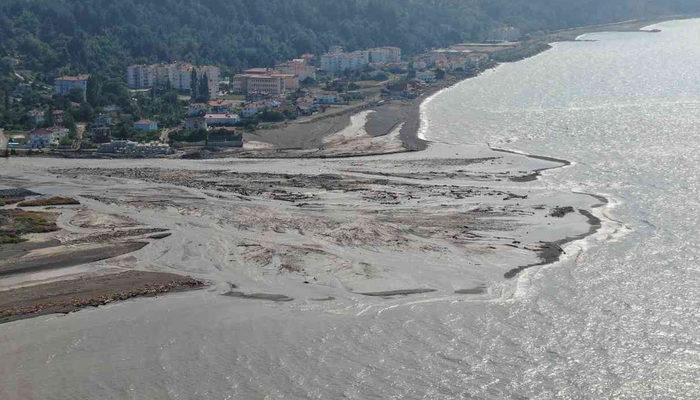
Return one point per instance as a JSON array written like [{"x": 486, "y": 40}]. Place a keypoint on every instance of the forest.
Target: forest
[{"x": 52, "y": 36}]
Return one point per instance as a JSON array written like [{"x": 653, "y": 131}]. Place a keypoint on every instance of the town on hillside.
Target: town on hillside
[{"x": 171, "y": 108}]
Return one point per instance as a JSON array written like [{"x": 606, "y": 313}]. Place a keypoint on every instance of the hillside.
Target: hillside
[{"x": 54, "y": 36}]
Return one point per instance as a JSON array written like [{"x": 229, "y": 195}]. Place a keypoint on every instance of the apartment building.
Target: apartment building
[
  {"x": 141, "y": 76},
  {"x": 178, "y": 75},
  {"x": 385, "y": 55},
  {"x": 338, "y": 61}
]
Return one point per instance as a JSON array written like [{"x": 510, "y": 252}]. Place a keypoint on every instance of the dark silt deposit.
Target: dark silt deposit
[{"x": 550, "y": 252}]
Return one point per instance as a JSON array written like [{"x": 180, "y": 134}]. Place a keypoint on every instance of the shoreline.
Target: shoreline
[
  {"x": 410, "y": 111},
  {"x": 379, "y": 132},
  {"x": 552, "y": 251}
]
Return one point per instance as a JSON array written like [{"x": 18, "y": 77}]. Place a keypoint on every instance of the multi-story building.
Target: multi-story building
[
  {"x": 338, "y": 61},
  {"x": 264, "y": 81},
  {"x": 178, "y": 75},
  {"x": 298, "y": 67},
  {"x": 66, "y": 84},
  {"x": 141, "y": 76},
  {"x": 213, "y": 75},
  {"x": 385, "y": 55},
  {"x": 455, "y": 58}
]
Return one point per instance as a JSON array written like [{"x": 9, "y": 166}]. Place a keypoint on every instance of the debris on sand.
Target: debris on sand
[
  {"x": 560, "y": 212},
  {"x": 259, "y": 296},
  {"x": 402, "y": 292},
  {"x": 475, "y": 290}
]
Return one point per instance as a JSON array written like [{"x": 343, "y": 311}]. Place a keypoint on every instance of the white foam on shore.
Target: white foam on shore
[
  {"x": 423, "y": 115},
  {"x": 610, "y": 230}
]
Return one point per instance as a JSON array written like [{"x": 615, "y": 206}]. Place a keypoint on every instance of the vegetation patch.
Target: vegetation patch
[
  {"x": 16, "y": 223},
  {"x": 50, "y": 201}
]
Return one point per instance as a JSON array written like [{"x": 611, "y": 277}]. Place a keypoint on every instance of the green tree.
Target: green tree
[
  {"x": 194, "y": 84},
  {"x": 271, "y": 116},
  {"x": 204, "y": 88}
]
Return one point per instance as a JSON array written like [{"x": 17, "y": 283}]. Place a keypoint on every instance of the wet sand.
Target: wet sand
[
  {"x": 91, "y": 291},
  {"x": 449, "y": 220},
  {"x": 38, "y": 275}
]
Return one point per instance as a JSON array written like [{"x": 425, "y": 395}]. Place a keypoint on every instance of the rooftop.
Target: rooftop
[
  {"x": 221, "y": 115},
  {"x": 221, "y": 102},
  {"x": 74, "y": 78}
]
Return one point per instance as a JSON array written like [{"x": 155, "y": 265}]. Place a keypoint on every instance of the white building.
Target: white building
[
  {"x": 426, "y": 76},
  {"x": 338, "y": 61},
  {"x": 385, "y": 55},
  {"x": 178, "y": 75},
  {"x": 141, "y": 76},
  {"x": 221, "y": 119}
]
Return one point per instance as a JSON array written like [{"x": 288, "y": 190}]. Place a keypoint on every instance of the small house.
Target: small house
[
  {"x": 221, "y": 106},
  {"x": 221, "y": 119},
  {"x": 327, "y": 98},
  {"x": 41, "y": 138},
  {"x": 146, "y": 125}
]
